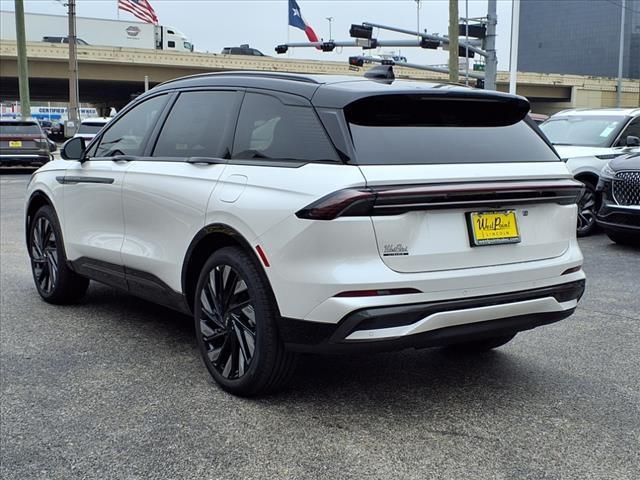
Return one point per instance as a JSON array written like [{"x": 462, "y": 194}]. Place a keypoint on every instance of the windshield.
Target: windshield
[
  {"x": 25, "y": 128},
  {"x": 588, "y": 130},
  {"x": 90, "y": 127}
]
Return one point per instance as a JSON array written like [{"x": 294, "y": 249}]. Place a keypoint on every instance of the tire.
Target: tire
[
  {"x": 480, "y": 346},
  {"x": 55, "y": 281},
  {"x": 235, "y": 317},
  {"x": 587, "y": 208},
  {"x": 623, "y": 238}
]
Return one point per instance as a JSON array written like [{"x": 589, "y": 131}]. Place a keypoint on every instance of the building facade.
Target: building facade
[{"x": 580, "y": 37}]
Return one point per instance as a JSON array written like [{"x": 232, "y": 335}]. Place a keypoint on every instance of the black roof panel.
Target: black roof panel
[{"x": 332, "y": 91}]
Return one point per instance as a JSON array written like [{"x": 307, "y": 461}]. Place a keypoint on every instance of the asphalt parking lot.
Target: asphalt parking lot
[{"x": 114, "y": 388}]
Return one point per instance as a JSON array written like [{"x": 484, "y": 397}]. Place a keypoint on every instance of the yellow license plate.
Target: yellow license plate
[
  {"x": 15, "y": 143},
  {"x": 491, "y": 228}
]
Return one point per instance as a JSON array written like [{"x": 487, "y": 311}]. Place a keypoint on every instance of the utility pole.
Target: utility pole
[
  {"x": 620, "y": 57},
  {"x": 23, "y": 70},
  {"x": 491, "y": 69},
  {"x": 515, "y": 32},
  {"x": 73, "y": 116},
  {"x": 454, "y": 62}
]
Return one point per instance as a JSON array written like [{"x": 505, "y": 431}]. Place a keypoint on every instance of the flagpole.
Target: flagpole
[
  {"x": 288, "y": 31},
  {"x": 117, "y": 10}
]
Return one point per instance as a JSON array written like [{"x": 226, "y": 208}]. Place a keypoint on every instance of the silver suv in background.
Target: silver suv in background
[{"x": 586, "y": 139}]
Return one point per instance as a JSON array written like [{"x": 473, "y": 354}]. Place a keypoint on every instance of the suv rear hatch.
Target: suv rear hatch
[
  {"x": 21, "y": 135},
  {"x": 460, "y": 182}
]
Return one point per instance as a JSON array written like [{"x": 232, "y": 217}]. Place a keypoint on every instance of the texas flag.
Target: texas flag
[{"x": 296, "y": 20}]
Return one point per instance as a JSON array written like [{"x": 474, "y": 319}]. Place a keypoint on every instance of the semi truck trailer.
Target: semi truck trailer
[{"x": 95, "y": 31}]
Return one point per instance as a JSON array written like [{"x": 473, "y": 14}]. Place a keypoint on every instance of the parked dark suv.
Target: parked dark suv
[
  {"x": 619, "y": 214},
  {"x": 24, "y": 143}
]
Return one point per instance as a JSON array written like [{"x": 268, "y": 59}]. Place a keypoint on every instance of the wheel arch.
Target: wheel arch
[
  {"x": 209, "y": 239},
  {"x": 37, "y": 200},
  {"x": 588, "y": 176}
]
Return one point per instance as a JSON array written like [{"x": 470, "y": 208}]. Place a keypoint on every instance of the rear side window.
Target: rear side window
[
  {"x": 24, "y": 128},
  {"x": 416, "y": 129},
  {"x": 198, "y": 125},
  {"x": 268, "y": 129},
  {"x": 127, "y": 135}
]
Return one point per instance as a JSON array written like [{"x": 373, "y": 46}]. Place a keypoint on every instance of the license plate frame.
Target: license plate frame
[
  {"x": 480, "y": 236},
  {"x": 15, "y": 143}
]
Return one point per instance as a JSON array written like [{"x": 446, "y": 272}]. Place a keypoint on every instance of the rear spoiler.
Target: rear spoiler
[{"x": 449, "y": 109}]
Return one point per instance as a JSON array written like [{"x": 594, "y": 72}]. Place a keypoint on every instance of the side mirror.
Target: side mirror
[
  {"x": 632, "y": 141},
  {"x": 73, "y": 149},
  {"x": 52, "y": 146}
]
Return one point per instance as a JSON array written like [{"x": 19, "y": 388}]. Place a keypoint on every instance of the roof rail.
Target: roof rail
[{"x": 296, "y": 77}]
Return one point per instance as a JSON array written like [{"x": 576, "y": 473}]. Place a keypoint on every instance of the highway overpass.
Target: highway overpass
[{"x": 112, "y": 76}]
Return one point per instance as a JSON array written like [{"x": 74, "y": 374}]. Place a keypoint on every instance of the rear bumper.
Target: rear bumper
[
  {"x": 24, "y": 159},
  {"x": 434, "y": 323}
]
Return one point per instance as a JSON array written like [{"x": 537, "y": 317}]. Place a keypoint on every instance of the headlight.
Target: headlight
[{"x": 607, "y": 172}]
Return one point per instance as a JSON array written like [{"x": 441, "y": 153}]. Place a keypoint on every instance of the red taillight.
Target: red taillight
[
  {"x": 351, "y": 201},
  {"x": 378, "y": 293},
  {"x": 399, "y": 199}
]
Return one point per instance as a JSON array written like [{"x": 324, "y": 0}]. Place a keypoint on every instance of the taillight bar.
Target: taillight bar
[{"x": 397, "y": 199}]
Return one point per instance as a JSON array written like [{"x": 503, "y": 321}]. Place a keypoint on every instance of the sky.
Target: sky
[{"x": 214, "y": 24}]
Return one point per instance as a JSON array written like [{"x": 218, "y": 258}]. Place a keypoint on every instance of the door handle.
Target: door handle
[
  {"x": 74, "y": 180},
  {"x": 124, "y": 158},
  {"x": 206, "y": 160}
]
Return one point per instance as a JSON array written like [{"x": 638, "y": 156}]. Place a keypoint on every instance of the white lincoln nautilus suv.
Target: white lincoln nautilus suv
[{"x": 298, "y": 213}]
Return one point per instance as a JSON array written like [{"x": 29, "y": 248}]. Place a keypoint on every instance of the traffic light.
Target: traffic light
[
  {"x": 282, "y": 49},
  {"x": 370, "y": 44},
  {"x": 462, "y": 52},
  {"x": 356, "y": 61},
  {"x": 475, "y": 31},
  {"x": 360, "y": 31},
  {"x": 327, "y": 46},
  {"x": 432, "y": 44},
  {"x": 480, "y": 83}
]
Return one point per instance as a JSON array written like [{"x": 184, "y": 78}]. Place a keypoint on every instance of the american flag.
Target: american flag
[{"x": 140, "y": 8}]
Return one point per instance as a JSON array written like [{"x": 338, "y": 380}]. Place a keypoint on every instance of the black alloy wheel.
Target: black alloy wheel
[
  {"x": 44, "y": 255},
  {"x": 235, "y": 316},
  {"x": 587, "y": 204},
  {"x": 227, "y": 322},
  {"x": 54, "y": 279}
]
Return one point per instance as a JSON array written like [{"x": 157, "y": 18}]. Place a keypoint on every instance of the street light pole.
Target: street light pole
[
  {"x": 330, "y": 19},
  {"x": 23, "y": 70},
  {"x": 620, "y": 57},
  {"x": 466, "y": 42},
  {"x": 73, "y": 115},
  {"x": 418, "y": 17},
  {"x": 491, "y": 66}
]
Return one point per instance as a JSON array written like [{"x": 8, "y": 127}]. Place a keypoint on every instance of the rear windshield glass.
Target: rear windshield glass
[
  {"x": 26, "y": 128},
  {"x": 588, "y": 130},
  {"x": 90, "y": 127},
  {"x": 412, "y": 129}
]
